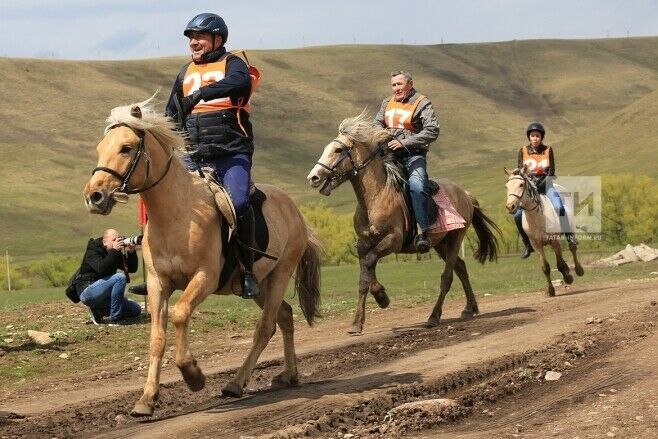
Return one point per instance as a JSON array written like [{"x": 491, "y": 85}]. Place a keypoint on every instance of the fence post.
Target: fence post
[{"x": 8, "y": 273}]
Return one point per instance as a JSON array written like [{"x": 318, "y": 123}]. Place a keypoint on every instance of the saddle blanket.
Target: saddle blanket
[{"x": 448, "y": 218}]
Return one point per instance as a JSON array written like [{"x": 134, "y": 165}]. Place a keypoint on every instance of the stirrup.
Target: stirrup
[
  {"x": 249, "y": 283},
  {"x": 422, "y": 244}
]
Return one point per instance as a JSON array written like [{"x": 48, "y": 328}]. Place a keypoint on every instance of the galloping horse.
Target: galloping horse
[
  {"x": 379, "y": 219},
  {"x": 538, "y": 212},
  {"x": 182, "y": 245}
]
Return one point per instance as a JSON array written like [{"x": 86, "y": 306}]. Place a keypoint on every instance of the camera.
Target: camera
[{"x": 132, "y": 240}]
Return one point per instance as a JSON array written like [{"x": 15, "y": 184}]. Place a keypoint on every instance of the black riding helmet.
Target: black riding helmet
[
  {"x": 536, "y": 126},
  {"x": 207, "y": 23}
]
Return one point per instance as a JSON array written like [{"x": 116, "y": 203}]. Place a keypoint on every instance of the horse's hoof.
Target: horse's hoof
[
  {"x": 568, "y": 279},
  {"x": 382, "y": 299},
  {"x": 285, "y": 380},
  {"x": 141, "y": 409},
  {"x": 355, "y": 330},
  {"x": 432, "y": 322},
  {"x": 194, "y": 378},
  {"x": 467, "y": 315},
  {"x": 550, "y": 292},
  {"x": 232, "y": 390},
  {"x": 579, "y": 270}
]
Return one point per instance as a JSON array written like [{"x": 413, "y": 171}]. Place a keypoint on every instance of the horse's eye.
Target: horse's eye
[
  {"x": 125, "y": 149},
  {"x": 339, "y": 150}
]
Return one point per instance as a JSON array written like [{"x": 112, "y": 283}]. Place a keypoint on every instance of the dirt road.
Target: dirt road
[{"x": 601, "y": 338}]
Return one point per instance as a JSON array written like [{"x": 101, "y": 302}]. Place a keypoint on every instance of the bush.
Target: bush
[
  {"x": 56, "y": 270},
  {"x": 18, "y": 279},
  {"x": 630, "y": 209},
  {"x": 335, "y": 231}
]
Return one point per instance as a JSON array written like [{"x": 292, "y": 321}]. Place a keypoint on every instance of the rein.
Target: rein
[
  {"x": 141, "y": 152},
  {"x": 347, "y": 153}
]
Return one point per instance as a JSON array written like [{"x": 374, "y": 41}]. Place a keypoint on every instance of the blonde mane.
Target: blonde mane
[
  {"x": 154, "y": 122},
  {"x": 360, "y": 129}
]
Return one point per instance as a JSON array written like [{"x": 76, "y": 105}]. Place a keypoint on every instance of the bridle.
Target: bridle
[
  {"x": 530, "y": 188},
  {"x": 347, "y": 153},
  {"x": 141, "y": 152}
]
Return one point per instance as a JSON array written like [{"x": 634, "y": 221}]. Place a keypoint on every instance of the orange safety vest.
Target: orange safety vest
[
  {"x": 537, "y": 163},
  {"x": 398, "y": 114},
  {"x": 200, "y": 75}
]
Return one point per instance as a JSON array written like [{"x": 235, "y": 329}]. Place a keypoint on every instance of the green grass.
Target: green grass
[
  {"x": 596, "y": 97},
  {"x": 113, "y": 349}
]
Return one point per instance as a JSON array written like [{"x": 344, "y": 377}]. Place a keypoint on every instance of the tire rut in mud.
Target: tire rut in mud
[
  {"x": 481, "y": 386},
  {"x": 111, "y": 415}
]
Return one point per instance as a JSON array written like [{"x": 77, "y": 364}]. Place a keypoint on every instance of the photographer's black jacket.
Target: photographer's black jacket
[{"x": 98, "y": 262}]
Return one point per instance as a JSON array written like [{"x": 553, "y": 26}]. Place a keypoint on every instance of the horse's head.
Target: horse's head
[
  {"x": 124, "y": 160},
  {"x": 352, "y": 150},
  {"x": 517, "y": 187}
]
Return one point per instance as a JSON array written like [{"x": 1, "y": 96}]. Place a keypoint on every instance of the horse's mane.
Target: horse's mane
[
  {"x": 360, "y": 129},
  {"x": 154, "y": 122}
]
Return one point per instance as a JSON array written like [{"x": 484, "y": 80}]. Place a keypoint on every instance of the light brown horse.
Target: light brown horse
[
  {"x": 379, "y": 220},
  {"x": 538, "y": 213},
  {"x": 182, "y": 245}
]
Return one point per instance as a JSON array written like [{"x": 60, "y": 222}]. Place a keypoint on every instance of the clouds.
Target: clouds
[{"x": 116, "y": 29}]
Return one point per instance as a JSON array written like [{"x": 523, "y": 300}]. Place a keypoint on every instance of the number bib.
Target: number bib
[
  {"x": 398, "y": 115},
  {"x": 537, "y": 163}
]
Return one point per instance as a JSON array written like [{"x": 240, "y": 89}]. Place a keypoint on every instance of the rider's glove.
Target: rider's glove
[{"x": 188, "y": 102}]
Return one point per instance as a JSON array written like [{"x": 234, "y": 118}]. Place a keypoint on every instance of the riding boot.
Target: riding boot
[
  {"x": 422, "y": 243},
  {"x": 527, "y": 247},
  {"x": 246, "y": 235}
]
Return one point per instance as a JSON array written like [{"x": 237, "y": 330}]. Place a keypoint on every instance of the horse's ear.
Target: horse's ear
[
  {"x": 136, "y": 112},
  {"x": 507, "y": 171}
]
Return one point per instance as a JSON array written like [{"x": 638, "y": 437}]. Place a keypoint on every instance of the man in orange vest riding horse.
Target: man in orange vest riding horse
[
  {"x": 410, "y": 118},
  {"x": 210, "y": 100}
]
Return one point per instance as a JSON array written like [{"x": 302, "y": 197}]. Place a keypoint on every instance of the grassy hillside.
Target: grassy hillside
[{"x": 593, "y": 95}]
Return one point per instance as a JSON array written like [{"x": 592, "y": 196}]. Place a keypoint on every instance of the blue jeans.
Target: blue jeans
[
  {"x": 105, "y": 296},
  {"x": 234, "y": 173},
  {"x": 416, "y": 167}
]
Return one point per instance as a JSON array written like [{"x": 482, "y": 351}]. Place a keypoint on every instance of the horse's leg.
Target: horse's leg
[
  {"x": 289, "y": 375},
  {"x": 196, "y": 292},
  {"x": 272, "y": 292},
  {"x": 451, "y": 250},
  {"x": 157, "y": 300},
  {"x": 367, "y": 261},
  {"x": 545, "y": 268},
  {"x": 471, "y": 308},
  {"x": 562, "y": 265},
  {"x": 573, "y": 247},
  {"x": 377, "y": 290}
]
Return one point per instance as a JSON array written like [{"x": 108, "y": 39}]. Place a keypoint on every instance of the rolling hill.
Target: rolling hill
[{"x": 596, "y": 97}]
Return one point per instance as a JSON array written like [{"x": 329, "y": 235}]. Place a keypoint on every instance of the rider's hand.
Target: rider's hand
[
  {"x": 395, "y": 144},
  {"x": 188, "y": 102}
]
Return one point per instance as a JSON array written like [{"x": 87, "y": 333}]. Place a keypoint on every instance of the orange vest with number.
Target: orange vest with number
[
  {"x": 537, "y": 163},
  {"x": 398, "y": 114},
  {"x": 200, "y": 75}
]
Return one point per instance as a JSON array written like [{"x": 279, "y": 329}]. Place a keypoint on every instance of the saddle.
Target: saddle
[{"x": 229, "y": 239}]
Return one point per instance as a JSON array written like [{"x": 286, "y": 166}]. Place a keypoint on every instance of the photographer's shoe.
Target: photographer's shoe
[
  {"x": 96, "y": 317},
  {"x": 117, "y": 323},
  {"x": 139, "y": 289}
]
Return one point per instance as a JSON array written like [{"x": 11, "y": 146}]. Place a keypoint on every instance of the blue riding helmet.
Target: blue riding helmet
[{"x": 207, "y": 23}]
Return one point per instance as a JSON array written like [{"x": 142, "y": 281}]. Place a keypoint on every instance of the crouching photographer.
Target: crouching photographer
[{"x": 103, "y": 277}]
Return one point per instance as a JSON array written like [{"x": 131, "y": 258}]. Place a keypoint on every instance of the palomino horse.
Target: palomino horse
[
  {"x": 379, "y": 220},
  {"x": 182, "y": 245},
  {"x": 538, "y": 212}
]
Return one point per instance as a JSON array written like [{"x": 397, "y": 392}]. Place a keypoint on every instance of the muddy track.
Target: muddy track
[
  {"x": 175, "y": 399},
  {"x": 500, "y": 356}
]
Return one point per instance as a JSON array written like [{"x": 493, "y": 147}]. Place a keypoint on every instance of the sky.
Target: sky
[{"x": 123, "y": 29}]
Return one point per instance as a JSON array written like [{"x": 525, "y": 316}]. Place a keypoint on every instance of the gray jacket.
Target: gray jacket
[{"x": 424, "y": 120}]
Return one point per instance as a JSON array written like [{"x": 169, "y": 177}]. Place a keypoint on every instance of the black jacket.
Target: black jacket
[
  {"x": 98, "y": 262},
  {"x": 214, "y": 134}
]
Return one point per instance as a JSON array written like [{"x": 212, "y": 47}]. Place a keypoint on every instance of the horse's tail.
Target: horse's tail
[
  {"x": 484, "y": 228},
  {"x": 307, "y": 279}
]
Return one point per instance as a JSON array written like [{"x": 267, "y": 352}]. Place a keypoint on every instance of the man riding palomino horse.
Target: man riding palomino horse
[
  {"x": 411, "y": 121},
  {"x": 210, "y": 99},
  {"x": 540, "y": 162}
]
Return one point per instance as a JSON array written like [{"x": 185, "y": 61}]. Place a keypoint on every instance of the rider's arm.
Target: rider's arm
[
  {"x": 236, "y": 82},
  {"x": 176, "y": 90},
  {"x": 379, "y": 118},
  {"x": 519, "y": 160},
  {"x": 429, "y": 131},
  {"x": 551, "y": 160}
]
